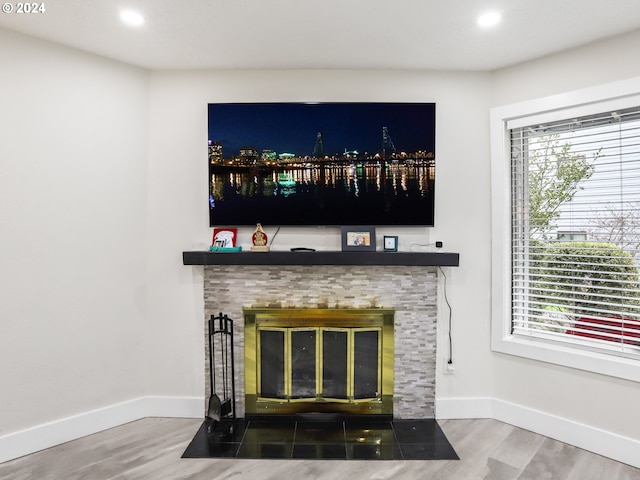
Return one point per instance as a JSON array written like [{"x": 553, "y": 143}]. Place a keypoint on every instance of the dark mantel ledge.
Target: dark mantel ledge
[{"x": 433, "y": 259}]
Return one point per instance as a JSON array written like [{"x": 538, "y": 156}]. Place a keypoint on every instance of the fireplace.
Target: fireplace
[
  {"x": 319, "y": 360},
  {"x": 409, "y": 291}
]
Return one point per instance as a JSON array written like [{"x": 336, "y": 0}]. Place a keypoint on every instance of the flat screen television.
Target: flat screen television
[{"x": 321, "y": 164}]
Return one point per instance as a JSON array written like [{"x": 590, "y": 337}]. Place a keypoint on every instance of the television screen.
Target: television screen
[{"x": 330, "y": 164}]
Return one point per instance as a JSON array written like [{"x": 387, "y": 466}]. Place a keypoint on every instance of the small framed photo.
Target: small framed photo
[
  {"x": 358, "y": 239},
  {"x": 224, "y": 237},
  {"x": 390, "y": 243}
]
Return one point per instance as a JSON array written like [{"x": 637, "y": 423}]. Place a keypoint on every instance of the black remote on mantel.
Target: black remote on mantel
[{"x": 303, "y": 249}]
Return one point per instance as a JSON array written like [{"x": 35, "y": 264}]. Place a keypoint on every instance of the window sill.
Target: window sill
[{"x": 566, "y": 356}]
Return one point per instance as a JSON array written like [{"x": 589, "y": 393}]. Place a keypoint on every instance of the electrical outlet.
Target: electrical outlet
[{"x": 449, "y": 369}]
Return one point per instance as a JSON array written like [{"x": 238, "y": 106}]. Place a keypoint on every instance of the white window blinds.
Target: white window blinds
[{"x": 576, "y": 231}]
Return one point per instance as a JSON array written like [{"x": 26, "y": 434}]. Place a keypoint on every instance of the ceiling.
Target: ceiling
[{"x": 332, "y": 34}]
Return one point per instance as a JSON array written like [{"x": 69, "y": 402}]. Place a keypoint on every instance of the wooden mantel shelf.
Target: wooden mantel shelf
[{"x": 433, "y": 259}]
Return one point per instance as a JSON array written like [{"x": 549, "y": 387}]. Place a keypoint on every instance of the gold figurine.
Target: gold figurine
[{"x": 259, "y": 239}]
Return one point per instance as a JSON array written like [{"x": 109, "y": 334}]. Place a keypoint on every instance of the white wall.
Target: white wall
[
  {"x": 73, "y": 160},
  {"x": 179, "y": 212},
  {"x": 595, "y": 64}
]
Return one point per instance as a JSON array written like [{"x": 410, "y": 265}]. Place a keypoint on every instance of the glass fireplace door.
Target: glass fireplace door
[
  {"x": 366, "y": 363},
  {"x": 271, "y": 352},
  {"x": 335, "y": 364},
  {"x": 303, "y": 370},
  {"x": 336, "y": 360}
]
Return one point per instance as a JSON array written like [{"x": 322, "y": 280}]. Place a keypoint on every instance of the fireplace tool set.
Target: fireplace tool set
[{"x": 221, "y": 410}]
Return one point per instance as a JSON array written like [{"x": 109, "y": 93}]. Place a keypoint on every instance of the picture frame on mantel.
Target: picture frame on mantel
[
  {"x": 224, "y": 237},
  {"x": 390, "y": 243},
  {"x": 358, "y": 239}
]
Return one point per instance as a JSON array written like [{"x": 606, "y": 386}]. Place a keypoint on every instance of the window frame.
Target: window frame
[{"x": 557, "y": 107}]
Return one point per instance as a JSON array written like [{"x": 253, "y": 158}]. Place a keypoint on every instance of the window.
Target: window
[
  {"x": 566, "y": 210},
  {"x": 575, "y": 212}
]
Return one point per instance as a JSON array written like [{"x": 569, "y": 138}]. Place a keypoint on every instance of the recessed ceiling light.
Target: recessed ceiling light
[
  {"x": 131, "y": 18},
  {"x": 489, "y": 19}
]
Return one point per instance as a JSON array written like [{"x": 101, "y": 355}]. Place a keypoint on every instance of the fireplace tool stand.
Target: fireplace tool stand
[{"x": 221, "y": 411}]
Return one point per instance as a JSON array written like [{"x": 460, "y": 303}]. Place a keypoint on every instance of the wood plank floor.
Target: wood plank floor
[{"x": 151, "y": 449}]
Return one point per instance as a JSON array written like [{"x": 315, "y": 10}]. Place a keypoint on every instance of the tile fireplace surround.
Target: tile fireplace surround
[{"x": 411, "y": 290}]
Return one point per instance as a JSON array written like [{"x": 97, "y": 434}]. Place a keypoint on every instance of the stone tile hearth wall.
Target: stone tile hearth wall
[{"x": 411, "y": 291}]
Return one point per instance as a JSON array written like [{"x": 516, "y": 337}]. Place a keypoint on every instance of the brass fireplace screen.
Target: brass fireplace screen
[{"x": 319, "y": 360}]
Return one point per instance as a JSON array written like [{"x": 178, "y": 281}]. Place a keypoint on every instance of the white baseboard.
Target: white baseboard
[
  {"x": 176, "y": 407},
  {"x": 608, "y": 444},
  {"x": 39, "y": 437},
  {"x": 475, "y": 407}
]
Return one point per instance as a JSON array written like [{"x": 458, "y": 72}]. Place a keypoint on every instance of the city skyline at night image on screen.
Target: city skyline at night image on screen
[{"x": 330, "y": 164}]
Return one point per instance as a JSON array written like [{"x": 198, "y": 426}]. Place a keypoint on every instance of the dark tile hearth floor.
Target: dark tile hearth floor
[{"x": 324, "y": 440}]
